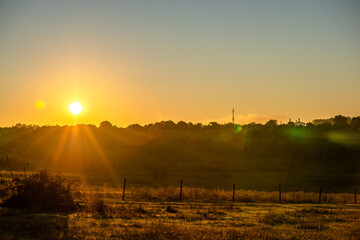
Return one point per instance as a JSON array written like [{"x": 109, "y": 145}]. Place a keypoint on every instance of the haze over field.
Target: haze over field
[{"x": 148, "y": 61}]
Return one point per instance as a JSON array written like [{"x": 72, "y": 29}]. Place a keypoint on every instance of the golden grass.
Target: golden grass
[
  {"x": 190, "y": 194},
  {"x": 216, "y": 195},
  {"x": 153, "y": 220},
  {"x": 157, "y": 213}
]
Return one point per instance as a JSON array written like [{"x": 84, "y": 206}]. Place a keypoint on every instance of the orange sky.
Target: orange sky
[{"x": 141, "y": 62}]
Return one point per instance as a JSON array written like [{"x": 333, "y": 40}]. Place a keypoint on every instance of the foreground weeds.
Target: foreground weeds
[{"x": 40, "y": 191}]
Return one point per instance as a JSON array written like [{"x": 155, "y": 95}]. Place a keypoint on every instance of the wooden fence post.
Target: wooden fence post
[
  {"x": 233, "y": 192},
  {"x": 355, "y": 195},
  {"x": 320, "y": 196},
  {"x": 123, "y": 196},
  {"x": 7, "y": 160},
  {"x": 180, "y": 189},
  {"x": 279, "y": 193}
]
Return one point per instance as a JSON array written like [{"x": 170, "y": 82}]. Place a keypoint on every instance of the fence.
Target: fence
[
  {"x": 203, "y": 194},
  {"x": 182, "y": 193}
]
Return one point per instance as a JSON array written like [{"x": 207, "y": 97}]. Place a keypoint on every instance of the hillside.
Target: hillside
[{"x": 253, "y": 156}]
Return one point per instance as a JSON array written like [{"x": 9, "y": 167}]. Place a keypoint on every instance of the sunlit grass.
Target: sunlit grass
[
  {"x": 193, "y": 194},
  {"x": 157, "y": 213}
]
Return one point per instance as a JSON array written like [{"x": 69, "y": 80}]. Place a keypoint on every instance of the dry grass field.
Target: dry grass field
[
  {"x": 157, "y": 213},
  {"x": 174, "y": 220}
]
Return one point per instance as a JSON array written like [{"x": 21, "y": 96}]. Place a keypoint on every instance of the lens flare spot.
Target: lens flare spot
[
  {"x": 40, "y": 104},
  {"x": 238, "y": 128},
  {"x": 75, "y": 108},
  {"x": 299, "y": 133},
  {"x": 344, "y": 138}
]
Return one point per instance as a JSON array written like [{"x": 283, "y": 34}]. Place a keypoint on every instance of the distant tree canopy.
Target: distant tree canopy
[
  {"x": 165, "y": 148},
  {"x": 336, "y": 123},
  {"x": 105, "y": 124},
  {"x": 271, "y": 123},
  {"x": 340, "y": 121},
  {"x": 355, "y": 123}
]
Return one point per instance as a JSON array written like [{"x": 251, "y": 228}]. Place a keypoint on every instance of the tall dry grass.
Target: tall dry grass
[
  {"x": 86, "y": 191},
  {"x": 215, "y": 195}
]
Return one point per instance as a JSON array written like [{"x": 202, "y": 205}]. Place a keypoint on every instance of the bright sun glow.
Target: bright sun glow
[
  {"x": 40, "y": 104},
  {"x": 75, "y": 108}
]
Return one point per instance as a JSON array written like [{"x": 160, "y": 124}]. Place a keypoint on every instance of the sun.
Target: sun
[{"x": 75, "y": 108}]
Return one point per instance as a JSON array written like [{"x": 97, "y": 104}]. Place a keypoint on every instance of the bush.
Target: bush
[
  {"x": 41, "y": 191},
  {"x": 98, "y": 206}
]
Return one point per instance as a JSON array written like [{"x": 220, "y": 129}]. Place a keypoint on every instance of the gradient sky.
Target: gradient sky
[{"x": 145, "y": 61}]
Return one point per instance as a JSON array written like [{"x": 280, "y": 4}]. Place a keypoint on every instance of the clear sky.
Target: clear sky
[{"x": 146, "y": 61}]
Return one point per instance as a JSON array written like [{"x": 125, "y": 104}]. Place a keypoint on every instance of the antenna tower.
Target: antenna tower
[{"x": 233, "y": 116}]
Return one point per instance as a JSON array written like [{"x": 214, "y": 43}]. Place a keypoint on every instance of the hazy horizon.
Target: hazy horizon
[{"x": 264, "y": 120}]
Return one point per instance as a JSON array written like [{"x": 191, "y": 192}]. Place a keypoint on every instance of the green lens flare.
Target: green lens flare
[
  {"x": 344, "y": 138},
  {"x": 238, "y": 128}
]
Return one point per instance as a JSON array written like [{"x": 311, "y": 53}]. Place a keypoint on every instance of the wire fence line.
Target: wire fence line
[
  {"x": 182, "y": 193},
  {"x": 128, "y": 192}
]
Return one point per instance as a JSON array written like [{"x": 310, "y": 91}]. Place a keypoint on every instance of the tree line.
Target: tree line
[{"x": 326, "y": 150}]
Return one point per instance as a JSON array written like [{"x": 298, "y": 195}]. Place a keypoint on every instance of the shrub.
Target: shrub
[
  {"x": 41, "y": 191},
  {"x": 98, "y": 206}
]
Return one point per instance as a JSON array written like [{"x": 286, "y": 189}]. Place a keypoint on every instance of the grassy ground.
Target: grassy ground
[
  {"x": 157, "y": 213},
  {"x": 177, "y": 220}
]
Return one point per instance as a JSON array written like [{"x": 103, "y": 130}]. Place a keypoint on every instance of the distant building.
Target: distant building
[{"x": 299, "y": 123}]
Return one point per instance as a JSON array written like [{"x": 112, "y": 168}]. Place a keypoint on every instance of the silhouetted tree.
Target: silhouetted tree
[
  {"x": 355, "y": 123},
  {"x": 198, "y": 125},
  {"x": 105, "y": 124},
  {"x": 214, "y": 125},
  {"x": 20, "y": 125},
  {"x": 229, "y": 126},
  {"x": 310, "y": 125},
  {"x": 271, "y": 123},
  {"x": 291, "y": 124},
  {"x": 340, "y": 121},
  {"x": 134, "y": 127},
  {"x": 169, "y": 125},
  {"x": 182, "y": 125}
]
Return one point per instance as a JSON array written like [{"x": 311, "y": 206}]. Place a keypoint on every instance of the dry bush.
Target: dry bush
[
  {"x": 93, "y": 201},
  {"x": 41, "y": 191},
  {"x": 99, "y": 207}
]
